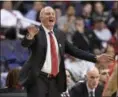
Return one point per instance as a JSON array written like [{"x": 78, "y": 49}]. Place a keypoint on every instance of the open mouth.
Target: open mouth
[{"x": 51, "y": 20}]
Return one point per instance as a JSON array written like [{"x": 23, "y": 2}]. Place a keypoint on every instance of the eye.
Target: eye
[{"x": 92, "y": 77}]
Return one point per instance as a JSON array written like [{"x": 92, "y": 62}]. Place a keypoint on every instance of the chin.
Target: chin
[
  {"x": 95, "y": 86},
  {"x": 51, "y": 25}
]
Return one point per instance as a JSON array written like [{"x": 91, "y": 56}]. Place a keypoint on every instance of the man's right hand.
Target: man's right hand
[{"x": 33, "y": 30}]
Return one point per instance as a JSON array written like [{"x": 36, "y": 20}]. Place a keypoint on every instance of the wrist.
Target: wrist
[{"x": 29, "y": 36}]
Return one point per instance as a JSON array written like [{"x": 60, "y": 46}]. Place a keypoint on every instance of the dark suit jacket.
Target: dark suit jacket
[
  {"x": 38, "y": 46},
  {"x": 80, "y": 90},
  {"x": 81, "y": 43},
  {"x": 114, "y": 94}
]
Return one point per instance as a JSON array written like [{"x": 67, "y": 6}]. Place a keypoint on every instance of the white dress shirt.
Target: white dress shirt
[{"x": 47, "y": 64}]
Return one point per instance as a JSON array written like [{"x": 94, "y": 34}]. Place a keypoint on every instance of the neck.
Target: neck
[
  {"x": 48, "y": 27},
  {"x": 89, "y": 86}
]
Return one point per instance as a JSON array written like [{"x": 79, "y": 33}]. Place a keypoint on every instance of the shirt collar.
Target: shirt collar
[
  {"x": 46, "y": 30},
  {"x": 89, "y": 90}
]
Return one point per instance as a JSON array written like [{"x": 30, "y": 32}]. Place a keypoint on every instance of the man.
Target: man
[
  {"x": 43, "y": 75},
  {"x": 89, "y": 41},
  {"x": 104, "y": 74},
  {"x": 89, "y": 88}
]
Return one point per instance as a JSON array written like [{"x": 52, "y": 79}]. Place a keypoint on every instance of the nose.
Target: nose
[
  {"x": 51, "y": 15},
  {"x": 107, "y": 75}
]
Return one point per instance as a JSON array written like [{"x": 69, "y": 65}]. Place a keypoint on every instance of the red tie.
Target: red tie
[{"x": 54, "y": 57}]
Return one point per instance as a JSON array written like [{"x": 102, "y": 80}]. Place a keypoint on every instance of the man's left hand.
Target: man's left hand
[{"x": 104, "y": 58}]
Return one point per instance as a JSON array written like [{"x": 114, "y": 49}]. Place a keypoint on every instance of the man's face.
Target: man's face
[
  {"x": 99, "y": 8},
  {"x": 100, "y": 25},
  {"x": 48, "y": 17},
  {"x": 87, "y": 10},
  {"x": 38, "y": 5},
  {"x": 79, "y": 23},
  {"x": 7, "y": 5},
  {"x": 104, "y": 74},
  {"x": 93, "y": 79},
  {"x": 70, "y": 11}
]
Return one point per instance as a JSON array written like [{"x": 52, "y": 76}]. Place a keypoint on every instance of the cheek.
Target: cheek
[
  {"x": 92, "y": 82},
  {"x": 68, "y": 79},
  {"x": 44, "y": 20},
  {"x": 96, "y": 82},
  {"x": 105, "y": 77}
]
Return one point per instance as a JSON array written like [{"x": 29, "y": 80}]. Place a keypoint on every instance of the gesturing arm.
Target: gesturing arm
[
  {"x": 78, "y": 53},
  {"x": 74, "y": 51},
  {"x": 30, "y": 37}
]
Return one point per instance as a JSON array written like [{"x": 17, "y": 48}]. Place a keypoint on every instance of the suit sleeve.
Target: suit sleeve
[
  {"x": 27, "y": 42},
  {"x": 78, "y": 53},
  {"x": 74, "y": 92}
]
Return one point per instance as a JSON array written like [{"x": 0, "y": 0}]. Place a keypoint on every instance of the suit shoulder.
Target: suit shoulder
[
  {"x": 77, "y": 89},
  {"x": 56, "y": 30},
  {"x": 100, "y": 87},
  {"x": 79, "y": 86}
]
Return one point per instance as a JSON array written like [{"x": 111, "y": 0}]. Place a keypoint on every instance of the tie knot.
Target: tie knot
[
  {"x": 91, "y": 94},
  {"x": 50, "y": 32}
]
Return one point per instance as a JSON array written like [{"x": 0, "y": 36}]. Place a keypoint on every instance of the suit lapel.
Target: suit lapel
[
  {"x": 58, "y": 41},
  {"x": 97, "y": 91},
  {"x": 86, "y": 91},
  {"x": 56, "y": 35}
]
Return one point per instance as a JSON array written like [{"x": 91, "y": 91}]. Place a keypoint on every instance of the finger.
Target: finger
[
  {"x": 32, "y": 29},
  {"x": 110, "y": 57},
  {"x": 37, "y": 29}
]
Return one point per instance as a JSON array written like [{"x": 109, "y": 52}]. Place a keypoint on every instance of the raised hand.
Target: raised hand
[{"x": 33, "y": 30}]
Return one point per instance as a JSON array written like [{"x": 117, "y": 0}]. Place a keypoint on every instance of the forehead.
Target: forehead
[
  {"x": 49, "y": 10},
  {"x": 79, "y": 20},
  {"x": 94, "y": 73},
  {"x": 98, "y": 4}
]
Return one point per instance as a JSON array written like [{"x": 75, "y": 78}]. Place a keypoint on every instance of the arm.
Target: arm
[
  {"x": 30, "y": 37},
  {"x": 74, "y": 51},
  {"x": 27, "y": 41}
]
